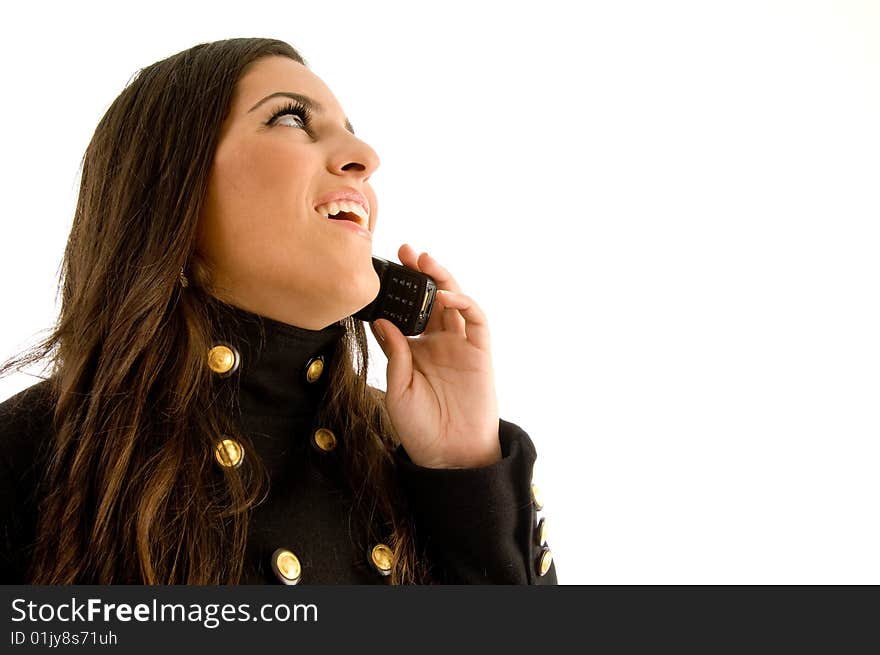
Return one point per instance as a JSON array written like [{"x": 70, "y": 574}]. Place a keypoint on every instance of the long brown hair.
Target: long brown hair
[{"x": 129, "y": 493}]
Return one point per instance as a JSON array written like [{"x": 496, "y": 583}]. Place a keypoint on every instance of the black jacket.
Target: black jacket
[{"x": 477, "y": 525}]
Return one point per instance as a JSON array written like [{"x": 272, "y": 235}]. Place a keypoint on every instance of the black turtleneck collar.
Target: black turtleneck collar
[{"x": 274, "y": 360}]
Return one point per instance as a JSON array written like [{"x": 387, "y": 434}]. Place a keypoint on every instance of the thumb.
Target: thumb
[{"x": 395, "y": 345}]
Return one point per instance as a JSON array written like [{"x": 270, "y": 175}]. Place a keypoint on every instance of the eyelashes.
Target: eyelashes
[{"x": 294, "y": 108}]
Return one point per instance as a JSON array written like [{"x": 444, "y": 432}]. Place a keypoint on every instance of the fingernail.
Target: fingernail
[{"x": 378, "y": 331}]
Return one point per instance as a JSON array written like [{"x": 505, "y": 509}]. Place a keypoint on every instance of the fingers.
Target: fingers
[
  {"x": 393, "y": 343},
  {"x": 441, "y": 276},
  {"x": 452, "y": 321},
  {"x": 408, "y": 256},
  {"x": 429, "y": 266},
  {"x": 424, "y": 263},
  {"x": 476, "y": 325}
]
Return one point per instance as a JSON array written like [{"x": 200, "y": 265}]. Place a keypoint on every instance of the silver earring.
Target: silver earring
[{"x": 183, "y": 281}]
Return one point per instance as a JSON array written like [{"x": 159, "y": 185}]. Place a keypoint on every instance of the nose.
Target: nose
[{"x": 354, "y": 155}]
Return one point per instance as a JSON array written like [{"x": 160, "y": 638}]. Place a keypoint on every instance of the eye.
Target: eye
[{"x": 295, "y": 109}]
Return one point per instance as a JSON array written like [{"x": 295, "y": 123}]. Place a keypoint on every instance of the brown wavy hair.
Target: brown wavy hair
[{"x": 129, "y": 492}]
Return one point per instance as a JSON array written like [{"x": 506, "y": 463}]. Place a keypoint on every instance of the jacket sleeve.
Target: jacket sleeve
[{"x": 479, "y": 525}]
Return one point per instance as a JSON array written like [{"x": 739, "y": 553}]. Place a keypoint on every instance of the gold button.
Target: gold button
[
  {"x": 545, "y": 561},
  {"x": 541, "y": 531},
  {"x": 229, "y": 453},
  {"x": 324, "y": 439},
  {"x": 315, "y": 368},
  {"x": 381, "y": 557},
  {"x": 223, "y": 359},
  {"x": 286, "y": 566},
  {"x": 536, "y": 496}
]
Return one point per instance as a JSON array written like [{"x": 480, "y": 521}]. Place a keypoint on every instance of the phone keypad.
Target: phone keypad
[{"x": 405, "y": 296}]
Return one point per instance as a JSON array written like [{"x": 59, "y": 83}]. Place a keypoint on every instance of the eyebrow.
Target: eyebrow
[{"x": 313, "y": 105}]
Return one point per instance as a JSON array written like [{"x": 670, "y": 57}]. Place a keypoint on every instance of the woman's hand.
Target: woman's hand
[{"x": 440, "y": 384}]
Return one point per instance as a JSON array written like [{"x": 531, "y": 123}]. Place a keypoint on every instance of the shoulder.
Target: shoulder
[
  {"x": 36, "y": 394},
  {"x": 25, "y": 425},
  {"x": 28, "y": 408},
  {"x": 25, "y": 430}
]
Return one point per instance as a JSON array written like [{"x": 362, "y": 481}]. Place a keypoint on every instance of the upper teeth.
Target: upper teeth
[{"x": 331, "y": 208}]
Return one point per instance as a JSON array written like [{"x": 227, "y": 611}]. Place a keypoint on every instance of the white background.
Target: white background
[{"x": 669, "y": 212}]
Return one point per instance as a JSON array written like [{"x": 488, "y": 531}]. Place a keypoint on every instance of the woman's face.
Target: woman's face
[{"x": 270, "y": 251}]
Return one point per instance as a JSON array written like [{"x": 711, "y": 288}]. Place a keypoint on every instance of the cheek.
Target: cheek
[
  {"x": 257, "y": 194},
  {"x": 265, "y": 170}
]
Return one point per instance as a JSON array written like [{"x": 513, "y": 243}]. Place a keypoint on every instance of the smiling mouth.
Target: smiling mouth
[
  {"x": 354, "y": 221},
  {"x": 345, "y": 216},
  {"x": 344, "y": 210}
]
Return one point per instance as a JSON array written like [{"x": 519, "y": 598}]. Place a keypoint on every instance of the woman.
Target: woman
[{"x": 205, "y": 422}]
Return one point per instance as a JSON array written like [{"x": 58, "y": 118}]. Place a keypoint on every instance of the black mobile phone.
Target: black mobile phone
[{"x": 405, "y": 297}]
